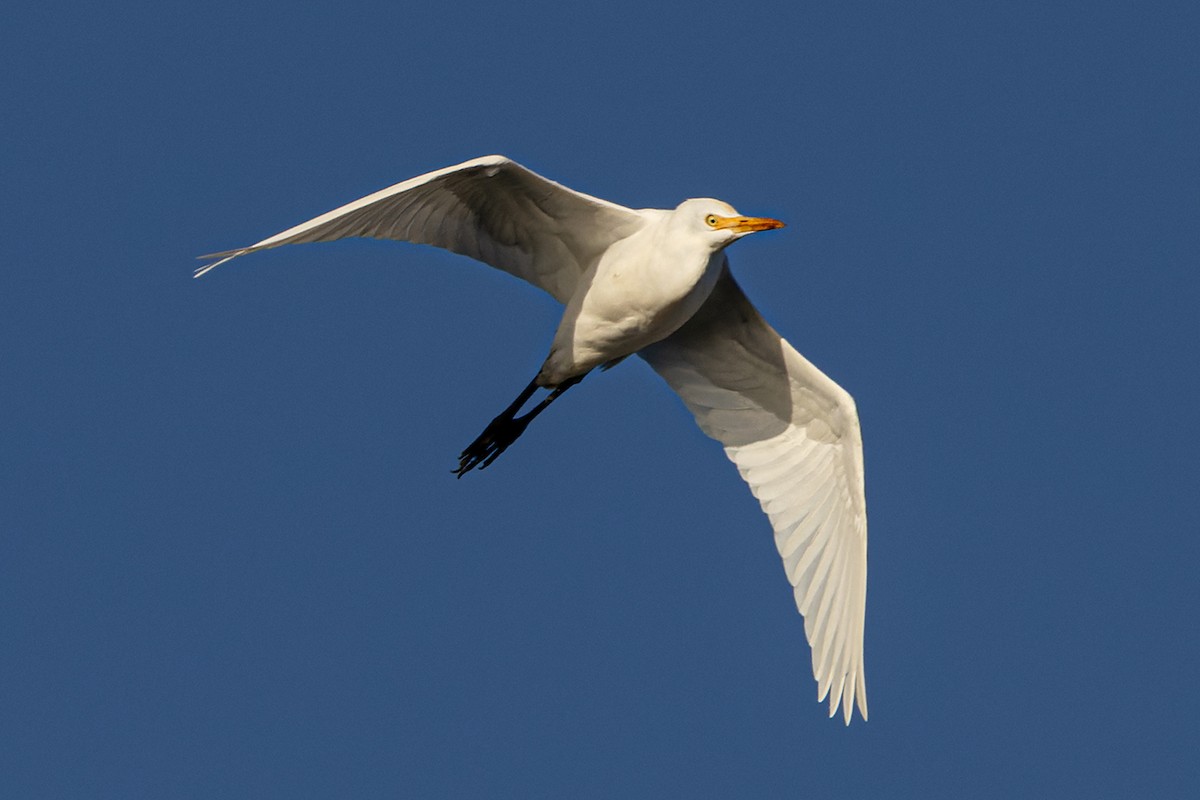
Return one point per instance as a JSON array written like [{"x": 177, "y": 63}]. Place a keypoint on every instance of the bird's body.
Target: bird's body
[
  {"x": 657, "y": 283},
  {"x": 640, "y": 291}
]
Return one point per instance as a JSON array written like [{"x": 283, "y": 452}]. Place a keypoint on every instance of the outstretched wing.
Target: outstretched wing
[
  {"x": 794, "y": 435},
  {"x": 491, "y": 209}
]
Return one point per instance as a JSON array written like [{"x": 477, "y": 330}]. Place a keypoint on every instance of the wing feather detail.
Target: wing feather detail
[
  {"x": 490, "y": 209},
  {"x": 795, "y": 438}
]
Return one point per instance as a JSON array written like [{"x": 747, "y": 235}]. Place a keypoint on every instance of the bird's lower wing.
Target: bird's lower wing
[
  {"x": 491, "y": 209},
  {"x": 794, "y": 435}
]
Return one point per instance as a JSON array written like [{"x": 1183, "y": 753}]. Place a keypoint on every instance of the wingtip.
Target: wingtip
[
  {"x": 850, "y": 694},
  {"x": 847, "y": 708},
  {"x": 227, "y": 255},
  {"x": 200, "y": 271}
]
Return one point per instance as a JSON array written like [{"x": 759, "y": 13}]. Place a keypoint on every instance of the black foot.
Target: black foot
[{"x": 495, "y": 439}]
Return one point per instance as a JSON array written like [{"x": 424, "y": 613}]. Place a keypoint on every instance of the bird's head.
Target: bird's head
[{"x": 719, "y": 223}]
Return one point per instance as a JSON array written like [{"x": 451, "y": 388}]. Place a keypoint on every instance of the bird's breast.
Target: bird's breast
[{"x": 635, "y": 296}]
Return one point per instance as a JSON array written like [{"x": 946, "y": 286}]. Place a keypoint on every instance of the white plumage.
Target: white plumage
[{"x": 657, "y": 283}]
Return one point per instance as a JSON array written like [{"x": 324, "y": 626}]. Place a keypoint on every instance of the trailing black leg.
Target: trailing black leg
[{"x": 507, "y": 428}]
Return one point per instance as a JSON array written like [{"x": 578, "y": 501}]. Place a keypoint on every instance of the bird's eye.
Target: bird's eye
[{"x": 711, "y": 220}]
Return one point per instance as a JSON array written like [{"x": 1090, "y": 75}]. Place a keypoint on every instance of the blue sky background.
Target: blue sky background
[{"x": 233, "y": 560}]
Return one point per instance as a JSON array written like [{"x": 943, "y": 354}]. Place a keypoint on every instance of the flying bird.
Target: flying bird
[{"x": 657, "y": 283}]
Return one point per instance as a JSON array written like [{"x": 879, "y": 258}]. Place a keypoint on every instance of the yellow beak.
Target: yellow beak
[{"x": 747, "y": 224}]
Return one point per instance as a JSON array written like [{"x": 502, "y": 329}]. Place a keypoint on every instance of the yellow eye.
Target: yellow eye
[{"x": 711, "y": 220}]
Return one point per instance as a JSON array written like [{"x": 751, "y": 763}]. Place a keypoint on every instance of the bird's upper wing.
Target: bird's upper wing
[
  {"x": 794, "y": 435},
  {"x": 491, "y": 209}
]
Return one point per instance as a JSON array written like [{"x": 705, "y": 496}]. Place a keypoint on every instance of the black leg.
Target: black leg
[{"x": 507, "y": 428}]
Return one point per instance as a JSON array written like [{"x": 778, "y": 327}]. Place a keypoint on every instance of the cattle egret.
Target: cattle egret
[{"x": 657, "y": 283}]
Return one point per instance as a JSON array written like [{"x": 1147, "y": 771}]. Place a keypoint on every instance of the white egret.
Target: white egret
[{"x": 657, "y": 283}]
